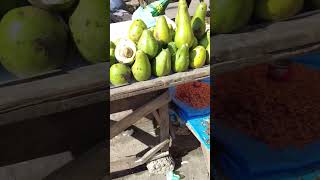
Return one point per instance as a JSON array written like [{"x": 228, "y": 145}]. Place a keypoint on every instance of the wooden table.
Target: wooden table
[
  {"x": 53, "y": 92},
  {"x": 147, "y": 97}
]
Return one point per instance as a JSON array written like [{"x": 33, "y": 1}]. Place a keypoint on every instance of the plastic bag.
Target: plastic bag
[{"x": 116, "y": 5}]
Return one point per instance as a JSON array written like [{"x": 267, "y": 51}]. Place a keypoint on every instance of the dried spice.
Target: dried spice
[
  {"x": 195, "y": 94},
  {"x": 281, "y": 114}
]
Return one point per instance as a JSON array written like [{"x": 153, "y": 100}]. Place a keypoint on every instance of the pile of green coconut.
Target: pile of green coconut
[{"x": 36, "y": 36}]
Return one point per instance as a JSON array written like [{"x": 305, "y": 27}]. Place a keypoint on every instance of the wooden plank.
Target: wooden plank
[
  {"x": 139, "y": 100},
  {"x": 266, "y": 43},
  {"x": 156, "y": 116},
  {"x": 164, "y": 125},
  {"x": 51, "y": 107},
  {"x": 76, "y": 130},
  {"x": 138, "y": 114},
  {"x": 46, "y": 96},
  {"x": 90, "y": 166},
  {"x": 159, "y": 83}
]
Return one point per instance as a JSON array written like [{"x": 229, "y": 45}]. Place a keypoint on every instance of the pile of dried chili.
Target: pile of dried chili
[
  {"x": 195, "y": 94},
  {"x": 281, "y": 114}
]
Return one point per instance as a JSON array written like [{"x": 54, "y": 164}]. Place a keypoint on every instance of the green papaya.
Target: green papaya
[
  {"x": 275, "y": 10},
  {"x": 89, "y": 29},
  {"x": 161, "y": 65},
  {"x": 230, "y": 15},
  {"x": 184, "y": 33},
  {"x": 136, "y": 29},
  {"x": 173, "y": 50},
  {"x": 205, "y": 41},
  {"x": 112, "y": 53},
  {"x": 37, "y": 44},
  {"x": 171, "y": 31},
  {"x": 198, "y": 57},
  {"x": 195, "y": 43},
  {"x": 120, "y": 74},
  {"x": 148, "y": 44},
  {"x": 141, "y": 69},
  {"x": 181, "y": 62},
  {"x": 198, "y": 20},
  {"x": 162, "y": 32}
]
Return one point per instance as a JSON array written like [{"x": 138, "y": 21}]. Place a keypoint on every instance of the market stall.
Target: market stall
[{"x": 148, "y": 96}]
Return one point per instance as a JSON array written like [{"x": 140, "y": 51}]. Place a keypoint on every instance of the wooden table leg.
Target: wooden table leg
[
  {"x": 164, "y": 125},
  {"x": 141, "y": 112}
]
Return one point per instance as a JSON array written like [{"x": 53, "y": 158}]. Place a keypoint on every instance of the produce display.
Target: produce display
[
  {"x": 280, "y": 114},
  {"x": 230, "y": 15},
  {"x": 161, "y": 50},
  {"x": 196, "y": 94},
  {"x": 44, "y": 33}
]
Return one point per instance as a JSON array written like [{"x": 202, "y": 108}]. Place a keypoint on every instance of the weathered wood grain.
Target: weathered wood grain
[
  {"x": 266, "y": 43},
  {"x": 143, "y": 87},
  {"x": 164, "y": 125},
  {"x": 64, "y": 91}
]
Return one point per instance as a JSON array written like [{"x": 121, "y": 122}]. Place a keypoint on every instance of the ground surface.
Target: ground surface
[{"x": 185, "y": 150}]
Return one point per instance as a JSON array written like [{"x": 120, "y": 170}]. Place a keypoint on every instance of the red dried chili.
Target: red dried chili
[
  {"x": 281, "y": 114},
  {"x": 196, "y": 94}
]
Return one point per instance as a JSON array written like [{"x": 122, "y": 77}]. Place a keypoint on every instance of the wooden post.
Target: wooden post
[{"x": 164, "y": 125}]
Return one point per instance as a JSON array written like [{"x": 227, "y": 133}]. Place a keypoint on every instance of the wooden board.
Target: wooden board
[
  {"x": 61, "y": 92},
  {"x": 266, "y": 43},
  {"x": 158, "y": 83}
]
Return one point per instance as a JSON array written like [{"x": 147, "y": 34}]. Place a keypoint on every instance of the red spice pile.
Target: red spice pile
[
  {"x": 280, "y": 114},
  {"x": 196, "y": 94}
]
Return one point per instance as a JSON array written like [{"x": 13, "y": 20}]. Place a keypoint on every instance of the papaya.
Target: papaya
[
  {"x": 184, "y": 33},
  {"x": 275, "y": 10},
  {"x": 136, "y": 30},
  {"x": 197, "y": 57},
  {"x": 120, "y": 74},
  {"x": 89, "y": 29},
  {"x": 198, "y": 20},
  {"x": 141, "y": 69},
  {"x": 181, "y": 61},
  {"x": 161, "y": 65},
  {"x": 230, "y": 15},
  {"x": 38, "y": 45}
]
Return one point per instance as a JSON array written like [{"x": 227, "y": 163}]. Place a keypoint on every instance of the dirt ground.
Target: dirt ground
[{"x": 185, "y": 150}]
